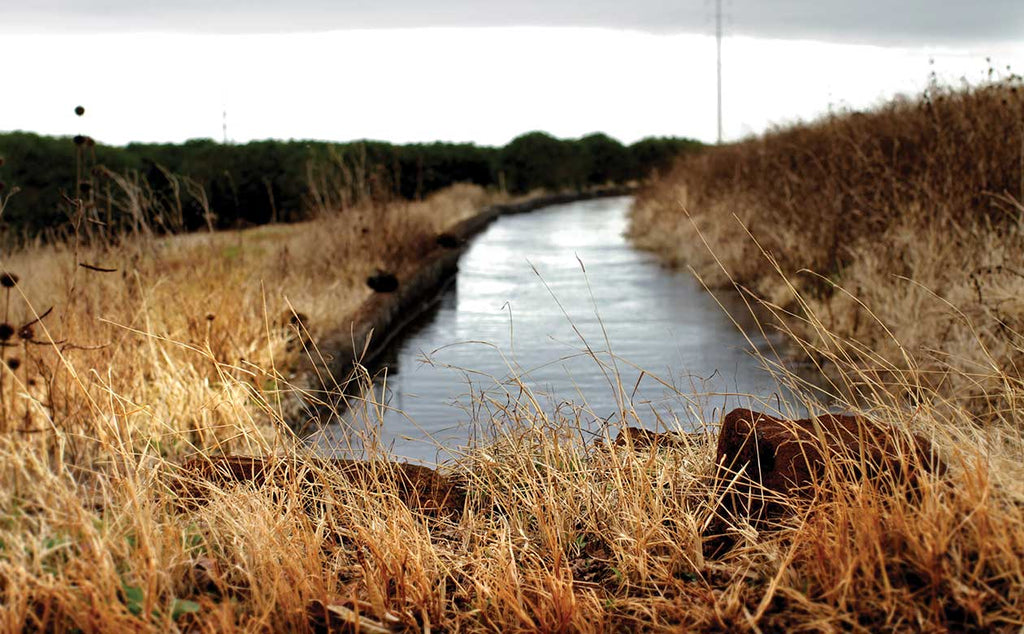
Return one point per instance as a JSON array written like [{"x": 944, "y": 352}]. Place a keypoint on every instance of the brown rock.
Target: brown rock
[
  {"x": 640, "y": 438},
  {"x": 784, "y": 459},
  {"x": 419, "y": 487}
]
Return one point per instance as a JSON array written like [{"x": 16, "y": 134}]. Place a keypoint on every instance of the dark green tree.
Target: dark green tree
[{"x": 608, "y": 161}]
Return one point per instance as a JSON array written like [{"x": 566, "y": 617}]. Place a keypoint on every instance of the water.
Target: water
[{"x": 532, "y": 293}]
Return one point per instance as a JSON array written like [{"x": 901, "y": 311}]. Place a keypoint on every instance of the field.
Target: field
[{"x": 166, "y": 351}]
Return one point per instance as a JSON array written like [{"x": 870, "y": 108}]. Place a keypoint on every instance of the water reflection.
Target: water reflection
[{"x": 557, "y": 302}]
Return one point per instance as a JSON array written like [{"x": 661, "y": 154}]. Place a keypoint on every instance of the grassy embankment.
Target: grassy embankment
[
  {"x": 121, "y": 354},
  {"x": 887, "y": 245},
  {"x": 898, "y": 229},
  {"x": 555, "y": 534}
]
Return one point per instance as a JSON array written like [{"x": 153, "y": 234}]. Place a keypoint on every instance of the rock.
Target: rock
[
  {"x": 383, "y": 282},
  {"x": 423, "y": 488},
  {"x": 419, "y": 487},
  {"x": 786, "y": 456},
  {"x": 640, "y": 438},
  {"x": 782, "y": 459}
]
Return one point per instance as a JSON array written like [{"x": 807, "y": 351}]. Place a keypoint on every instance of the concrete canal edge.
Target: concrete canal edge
[{"x": 383, "y": 316}]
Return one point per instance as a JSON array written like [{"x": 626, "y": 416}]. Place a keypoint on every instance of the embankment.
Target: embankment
[
  {"x": 383, "y": 316},
  {"x": 888, "y": 239}
]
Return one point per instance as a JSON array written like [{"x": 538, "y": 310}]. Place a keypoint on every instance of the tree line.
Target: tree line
[{"x": 203, "y": 183}]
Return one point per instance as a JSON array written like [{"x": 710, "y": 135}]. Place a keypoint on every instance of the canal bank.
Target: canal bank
[
  {"x": 384, "y": 316},
  {"x": 556, "y": 311}
]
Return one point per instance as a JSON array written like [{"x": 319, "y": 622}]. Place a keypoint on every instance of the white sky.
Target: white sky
[{"x": 484, "y": 85}]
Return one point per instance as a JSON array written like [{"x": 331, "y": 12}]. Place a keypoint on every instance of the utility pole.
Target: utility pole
[
  {"x": 224, "y": 126},
  {"x": 718, "y": 42}
]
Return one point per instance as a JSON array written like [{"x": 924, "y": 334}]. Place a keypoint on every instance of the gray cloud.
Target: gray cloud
[{"x": 910, "y": 22}]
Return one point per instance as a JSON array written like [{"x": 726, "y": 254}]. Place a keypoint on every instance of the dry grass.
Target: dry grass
[
  {"x": 128, "y": 353},
  {"x": 887, "y": 247},
  {"x": 182, "y": 331},
  {"x": 556, "y": 534},
  {"x": 901, "y": 227}
]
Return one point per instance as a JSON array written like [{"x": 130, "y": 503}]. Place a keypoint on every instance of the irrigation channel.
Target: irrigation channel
[{"x": 539, "y": 301}]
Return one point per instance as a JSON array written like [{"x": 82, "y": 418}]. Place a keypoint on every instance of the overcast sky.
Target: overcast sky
[
  {"x": 877, "y": 21},
  {"x": 464, "y": 70}
]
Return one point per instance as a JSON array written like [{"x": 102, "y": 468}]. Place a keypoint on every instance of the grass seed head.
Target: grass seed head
[
  {"x": 14, "y": 363},
  {"x": 6, "y": 332},
  {"x": 79, "y": 139},
  {"x": 79, "y": 110},
  {"x": 8, "y": 280}
]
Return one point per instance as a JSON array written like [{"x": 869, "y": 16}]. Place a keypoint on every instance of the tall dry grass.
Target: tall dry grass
[
  {"x": 556, "y": 534},
  {"x": 886, "y": 246},
  {"x": 181, "y": 327},
  {"x": 127, "y": 377},
  {"x": 901, "y": 227},
  {"x": 123, "y": 353}
]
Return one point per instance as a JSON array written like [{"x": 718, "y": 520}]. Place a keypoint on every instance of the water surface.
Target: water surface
[{"x": 539, "y": 300}]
